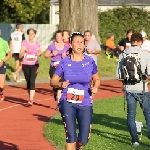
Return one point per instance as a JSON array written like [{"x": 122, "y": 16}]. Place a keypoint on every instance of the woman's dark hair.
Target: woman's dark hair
[
  {"x": 88, "y": 31},
  {"x": 130, "y": 31},
  {"x": 136, "y": 37},
  {"x": 31, "y": 30},
  {"x": 59, "y": 31},
  {"x": 74, "y": 34}
]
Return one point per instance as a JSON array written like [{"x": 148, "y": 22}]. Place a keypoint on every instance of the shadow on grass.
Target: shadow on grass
[
  {"x": 110, "y": 121},
  {"x": 8, "y": 146}
]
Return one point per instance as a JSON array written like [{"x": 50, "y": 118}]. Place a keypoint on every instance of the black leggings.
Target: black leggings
[{"x": 30, "y": 75}]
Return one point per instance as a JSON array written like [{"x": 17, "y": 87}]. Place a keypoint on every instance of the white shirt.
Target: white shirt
[
  {"x": 16, "y": 38},
  {"x": 146, "y": 45}
]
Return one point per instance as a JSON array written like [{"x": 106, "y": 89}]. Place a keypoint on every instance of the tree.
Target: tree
[
  {"x": 24, "y": 11},
  {"x": 79, "y": 15}
]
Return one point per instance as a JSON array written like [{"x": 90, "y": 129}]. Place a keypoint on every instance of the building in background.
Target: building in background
[{"x": 103, "y": 5}]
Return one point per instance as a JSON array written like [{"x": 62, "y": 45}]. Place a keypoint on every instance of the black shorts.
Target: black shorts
[
  {"x": 16, "y": 56},
  {"x": 3, "y": 69},
  {"x": 52, "y": 71}
]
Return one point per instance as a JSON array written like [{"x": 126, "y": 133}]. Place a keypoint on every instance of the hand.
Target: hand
[
  {"x": 94, "y": 90},
  {"x": 121, "y": 48},
  {"x": 27, "y": 49},
  {"x": 37, "y": 70},
  {"x": 54, "y": 53},
  {"x": 65, "y": 84},
  {"x": 89, "y": 51},
  {"x": 64, "y": 55},
  {"x": 1, "y": 63}
]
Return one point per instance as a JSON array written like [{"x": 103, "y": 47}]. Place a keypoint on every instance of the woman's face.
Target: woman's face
[
  {"x": 59, "y": 37},
  {"x": 77, "y": 44},
  {"x": 66, "y": 35},
  {"x": 87, "y": 36},
  {"x": 31, "y": 35}
]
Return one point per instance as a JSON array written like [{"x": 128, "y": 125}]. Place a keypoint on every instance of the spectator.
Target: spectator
[
  {"x": 111, "y": 49},
  {"x": 146, "y": 43},
  {"x": 126, "y": 42},
  {"x": 92, "y": 48}
]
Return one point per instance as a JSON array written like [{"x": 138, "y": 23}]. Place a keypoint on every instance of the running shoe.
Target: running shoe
[
  {"x": 18, "y": 81},
  {"x": 135, "y": 144},
  {"x": 30, "y": 102},
  {"x": 2, "y": 97},
  {"x": 22, "y": 79}
]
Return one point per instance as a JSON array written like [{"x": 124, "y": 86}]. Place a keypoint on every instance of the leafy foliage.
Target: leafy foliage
[
  {"x": 119, "y": 20},
  {"x": 24, "y": 11}
]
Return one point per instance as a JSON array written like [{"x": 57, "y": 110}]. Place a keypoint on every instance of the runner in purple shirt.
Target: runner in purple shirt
[
  {"x": 56, "y": 51},
  {"x": 76, "y": 100}
]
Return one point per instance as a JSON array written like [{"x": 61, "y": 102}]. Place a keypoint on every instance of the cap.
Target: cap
[{"x": 143, "y": 34}]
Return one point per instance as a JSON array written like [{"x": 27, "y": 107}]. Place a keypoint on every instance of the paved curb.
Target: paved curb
[{"x": 47, "y": 80}]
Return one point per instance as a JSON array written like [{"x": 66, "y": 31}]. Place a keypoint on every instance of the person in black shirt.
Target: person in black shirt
[{"x": 126, "y": 42}]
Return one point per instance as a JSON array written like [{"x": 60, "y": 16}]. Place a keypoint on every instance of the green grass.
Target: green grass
[
  {"x": 106, "y": 67},
  {"x": 109, "y": 129}
]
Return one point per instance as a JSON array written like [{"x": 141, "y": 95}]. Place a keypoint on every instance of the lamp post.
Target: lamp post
[{"x": 52, "y": 11}]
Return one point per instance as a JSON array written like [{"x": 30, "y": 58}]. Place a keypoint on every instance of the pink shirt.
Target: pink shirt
[{"x": 30, "y": 57}]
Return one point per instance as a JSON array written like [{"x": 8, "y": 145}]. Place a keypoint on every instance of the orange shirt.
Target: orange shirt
[{"x": 110, "y": 43}]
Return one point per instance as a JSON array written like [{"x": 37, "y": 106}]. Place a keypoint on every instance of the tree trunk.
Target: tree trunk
[{"x": 78, "y": 16}]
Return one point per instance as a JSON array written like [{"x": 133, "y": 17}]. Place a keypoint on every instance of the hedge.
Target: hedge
[{"x": 119, "y": 20}]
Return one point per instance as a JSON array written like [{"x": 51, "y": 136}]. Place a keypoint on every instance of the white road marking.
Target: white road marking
[{"x": 23, "y": 103}]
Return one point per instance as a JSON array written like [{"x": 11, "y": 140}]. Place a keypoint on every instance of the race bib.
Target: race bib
[
  {"x": 128, "y": 45},
  {"x": 30, "y": 58},
  {"x": 56, "y": 63},
  {"x": 75, "y": 95}
]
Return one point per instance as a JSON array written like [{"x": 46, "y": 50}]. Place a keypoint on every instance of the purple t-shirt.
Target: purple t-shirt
[
  {"x": 79, "y": 75},
  {"x": 58, "y": 57}
]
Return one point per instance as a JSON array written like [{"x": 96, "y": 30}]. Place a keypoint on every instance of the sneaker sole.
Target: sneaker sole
[{"x": 2, "y": 99}]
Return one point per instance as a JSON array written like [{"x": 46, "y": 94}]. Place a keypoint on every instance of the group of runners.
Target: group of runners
[{"x": 74, "y": 76}]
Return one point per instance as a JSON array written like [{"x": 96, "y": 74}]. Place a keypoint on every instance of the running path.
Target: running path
[{"x": 21, "y": 127}]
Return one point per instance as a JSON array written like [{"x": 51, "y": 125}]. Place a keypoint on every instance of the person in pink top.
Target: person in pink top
[{"x": 30, "y": 51}]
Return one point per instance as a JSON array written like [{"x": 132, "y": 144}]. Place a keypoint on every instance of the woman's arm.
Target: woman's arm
[
  {"x": 39, "y": 52},
  {"x": 95, "y": 83},
  {"x": 48, "y": 54},
  {"x": 54, "y": 82},
  {"x": 22, "y": 52}
]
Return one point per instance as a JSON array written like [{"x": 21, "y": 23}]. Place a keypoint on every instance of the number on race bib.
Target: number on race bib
[
  {"x": 16, "y": 39},
  {"x": 30, "y": 58},
  {"x": 75, "y": 95}
]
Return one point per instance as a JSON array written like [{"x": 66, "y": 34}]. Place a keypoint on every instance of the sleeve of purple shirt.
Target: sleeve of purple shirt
[
  {"x": 95, "y": 70},
  {"x": 59, "y": 69}
]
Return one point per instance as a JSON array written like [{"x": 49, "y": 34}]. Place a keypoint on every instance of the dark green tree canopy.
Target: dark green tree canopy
[{"x": 24, "y": 11}]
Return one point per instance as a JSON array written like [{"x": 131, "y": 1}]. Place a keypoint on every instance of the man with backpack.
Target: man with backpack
[{"x": 134, "y": 70}]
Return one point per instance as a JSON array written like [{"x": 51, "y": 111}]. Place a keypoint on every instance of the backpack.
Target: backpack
[{"x": 132, "y": 68}]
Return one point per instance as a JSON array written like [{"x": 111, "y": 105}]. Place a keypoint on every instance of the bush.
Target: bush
[{"x": 119, "y": 20}]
